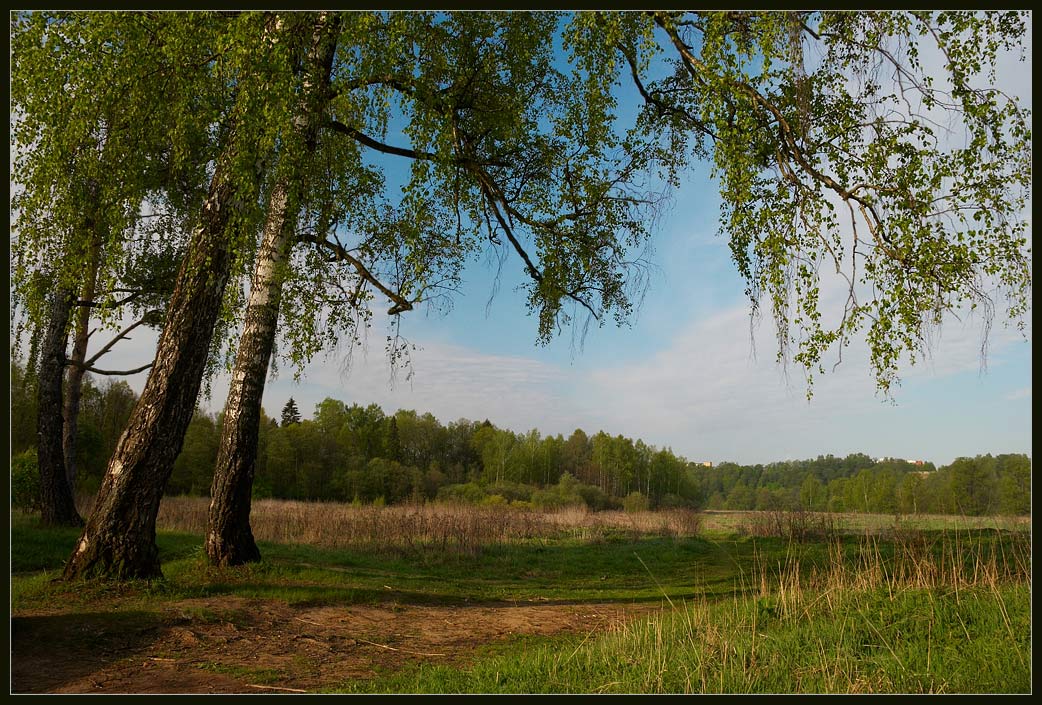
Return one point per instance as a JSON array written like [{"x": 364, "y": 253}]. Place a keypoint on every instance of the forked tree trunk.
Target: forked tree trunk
[
  {"x": 229, "y": 537},
  {"x": 119, "y": 539},
  {"x": 57, "y": 504}
]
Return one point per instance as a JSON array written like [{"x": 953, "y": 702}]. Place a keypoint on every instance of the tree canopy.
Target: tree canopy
[{"x": 873, "y": 179}]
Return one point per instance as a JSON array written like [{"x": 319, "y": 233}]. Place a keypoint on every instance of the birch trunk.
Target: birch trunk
[
  {"x": 119, "y": 538},
  {"x": 229, "y": 538}
]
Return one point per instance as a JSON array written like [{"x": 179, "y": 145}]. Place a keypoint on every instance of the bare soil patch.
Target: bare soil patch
[{"x": 238, "y": 645}]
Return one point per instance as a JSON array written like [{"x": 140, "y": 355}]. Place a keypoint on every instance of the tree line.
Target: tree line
[
  {"x": 981, "y": 485},
  {"x": 254, "y": 184},
  {"x": 354, "y": 453}
]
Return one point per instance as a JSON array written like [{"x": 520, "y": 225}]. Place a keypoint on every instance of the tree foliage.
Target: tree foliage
[
  {"x": 98, "y": 163},
  {"x": 873, "y": 178}
]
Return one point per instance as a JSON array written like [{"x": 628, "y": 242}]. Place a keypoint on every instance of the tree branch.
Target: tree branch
[
  {"x": 400, "y": 302},
  {"x": 108, "y": 346},
  {"x": 114, "y": 304},
  {"x": 368, "y": 141},
  {"x": 694, "y": 67},
  {"x": 661, "y": 106},
  {"x": 117, "y": 372}
]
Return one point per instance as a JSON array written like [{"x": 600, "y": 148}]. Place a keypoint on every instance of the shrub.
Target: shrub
[
  {"x": 510, "y": 491},
  {"x": 795, "y": 525},
  {"x": 635, "y": 502},
  {"x": 555, "y": 498},
  {"x": 25, "y": 481},
  {"x": 466, "y": 493},
  {"x": 675, "y": 501},
  {"x": 596, "y": 499}
]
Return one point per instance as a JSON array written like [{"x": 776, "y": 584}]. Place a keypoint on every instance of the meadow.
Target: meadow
[{"x": 440, "y": 598}]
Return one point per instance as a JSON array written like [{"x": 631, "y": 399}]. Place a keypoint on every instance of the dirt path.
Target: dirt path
[{"x": 237, "y": 645}]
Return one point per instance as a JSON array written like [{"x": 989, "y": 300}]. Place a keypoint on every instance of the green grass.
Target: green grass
[
  {"x": 622, "y": 570},
  {"x": 920, "y": 613},
  {"x": 913, "y": 641},
  {"x": 906, "y": 610}
]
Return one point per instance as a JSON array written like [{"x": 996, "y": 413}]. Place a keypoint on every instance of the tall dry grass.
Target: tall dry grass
[
  {"x": 445, "y": 528},
  {"x": 909, "y": 612},
  {"x": 749, "y": 521},
  {"x": 910, "y": 560}
]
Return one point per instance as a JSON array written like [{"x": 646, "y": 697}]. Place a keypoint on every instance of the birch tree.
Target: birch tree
[
  {"x": 255, "y": 64},
  {"x": 475, "y": 93},
  {"x": 88, "y": 153}
]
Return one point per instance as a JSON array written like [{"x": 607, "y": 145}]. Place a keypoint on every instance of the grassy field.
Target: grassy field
[{"x": 414, "y": 599}]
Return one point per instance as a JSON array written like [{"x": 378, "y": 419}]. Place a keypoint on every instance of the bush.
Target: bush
[
  {"x": 466, "y": 493},
  {"x": 25, "y": 481},
  {"x": 596, "y": 499},
  {"x": 675, "y": 501},
  {"x": 510, "y": 491},
  {"x": 566, "y": 493},
  {"x": 635, "y": 502},
  {"x": 794, "y": 525}
]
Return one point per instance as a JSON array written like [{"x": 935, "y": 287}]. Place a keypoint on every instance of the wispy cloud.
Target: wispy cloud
[
  {"x": 712, "y": 391},
  {"x": 449, "y": 381},
  {"x": 1022, "y": 393},
  {"x": 716, "y": 392}
]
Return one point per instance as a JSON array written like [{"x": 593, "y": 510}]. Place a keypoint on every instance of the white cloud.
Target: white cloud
[
  {"x": 450, "y": 381},
  {"x": 709, "y": 397},
  {"x": 1022, "y": 393},
  {"x": 716, "y": 391},
  {"x": 711, "y": 392}
]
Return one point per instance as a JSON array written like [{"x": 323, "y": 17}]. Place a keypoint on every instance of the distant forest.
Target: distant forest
[{"x": 351, "y": 453}]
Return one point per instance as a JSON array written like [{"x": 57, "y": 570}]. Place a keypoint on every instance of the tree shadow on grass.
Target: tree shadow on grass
[{"x": 304, "y": 596}]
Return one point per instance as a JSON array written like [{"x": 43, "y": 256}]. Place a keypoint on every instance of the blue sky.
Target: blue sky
[{"x": 689, "y": 373}]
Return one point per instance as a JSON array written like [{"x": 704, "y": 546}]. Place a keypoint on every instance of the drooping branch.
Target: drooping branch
[
  {"x": 339, "y": 253},
  {"x": 491, "y": 191},
  {"x": 696, "y": 69},
  {"x": 659, "y": 104},
  {"x": 113, "y": 304},
  {"x": 368, "y": 141}
]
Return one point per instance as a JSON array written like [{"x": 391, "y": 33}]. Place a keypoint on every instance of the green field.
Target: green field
[{"x": 890, "y": 610}]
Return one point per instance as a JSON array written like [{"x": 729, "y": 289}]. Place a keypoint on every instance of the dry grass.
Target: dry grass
[
  {"x": 738, "y": 521},
  {"x": 913, "y": 559},
  {"x": 456, "y": 528},
  {"x": 797, "y": 525}
]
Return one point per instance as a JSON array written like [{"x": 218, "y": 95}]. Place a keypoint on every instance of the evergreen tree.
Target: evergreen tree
[{"x": 290, "y": 413}]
